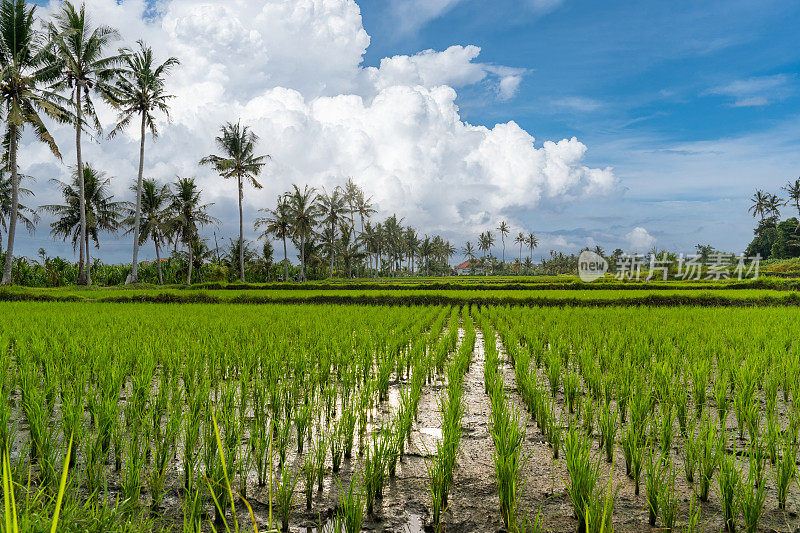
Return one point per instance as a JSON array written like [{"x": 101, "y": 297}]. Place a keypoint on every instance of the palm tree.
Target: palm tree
[
  {"x": 27, "y": 216},
  {"x": 759, "y": 201},
  {"x": 187, "y": 214},
  {"x": 139, "y": 91},
  {"x": 239, "y": 161},
  {"x": 773, "y": 205},
  {"x": 411, "y": 245},
  {"x": 278, "y": 222},
  {"x": 154, "y": 219},
  {"x": 79, "y": 49},
  {"x": 332, "y": 208},
  {"x": 102, "y": 212},
  {"x": 532, "y": 243},
  {"x": 504, "y": 230},
  {"x": 304, "y": 214},
  {"x": 793, "y": 189},
  {"x": 520, "y": 239},
  {"x": 485, "y": 242},
  {"x": 25, "y": 68}
]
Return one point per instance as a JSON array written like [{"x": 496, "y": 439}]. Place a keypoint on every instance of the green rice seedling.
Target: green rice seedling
[
  {"x": 757, "y": 459},
  {"x": 653, "y": 484},
  {"x": 302, "y": 423},
  {"x": 721, "y": 397},
  {"x": 283, "y": 496},
  {"x": 320, "y": 452},
  {"x": 72, "y": 410},
  {"x": 33, "y": 405},
  {"x": 131, "y": 475},
  {"x": 588, "y": 417},
  {"x": 728, "y": 485},
  {"x": 608, "y": 431},
  {"x": 692, "y": 524},
  {"x": 699, "y": 373},
  {"x": 350, "y": 511},
  {"x": 785, "y": 470},
  {"x": 375, "y": 468},
  {"x": 163, "y": 450},
  {"x": 771, "y": 392},
  {"x": 667, "y": 431},
  {"x": 668, "y": 500},
  {"x": 553, "y": 371},
  {"x": 751, "y": 496},
  {"x": 309, "y": 473},
  {"x": 336, "y": 443},
  {"x": 753, "y": 421},
  {"x": 690, "y": 458},
  {"x": 583, "y": 474},
  {"x": 282, "y": 441},
  {"x": 554, "y": 432},
  {"x": 638, "y": 450},
  {"x": 709, "y": 453},
  {"x": 600, "y": 509},
  {"x": 348, "y": 424},
  {"x": 771, "y": 439},
  {"x": 572, "y": 383},
  {"x": 532, "y": 526},
  {"x": 508, "y": 434},
  {"x": 437, "y": 486},
  {"x": 681, "y": 402},
  {"x": 640, "y": 408}
]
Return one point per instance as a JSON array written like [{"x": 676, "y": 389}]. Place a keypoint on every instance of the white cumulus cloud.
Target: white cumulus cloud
[
  {"x": 292, "y": 70},
  {"x": 639, "y": 239}
]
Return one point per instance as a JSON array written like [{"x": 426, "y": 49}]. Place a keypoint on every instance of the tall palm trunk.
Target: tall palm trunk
[
  {"x": 84, "y": 277},
  {"x": 12, "y": 223},
  {"x": 158, "y": 258},
  {"x": 332, "y": 250},
  {"x": 191, "y": 264},
  {"x": 134, "y": 278},
  {"x": 285, "y": 261},
  {"x": 302, "y": 258},
  {"x": 241, "y": 232},
  {"x": 88, "y": 263}
]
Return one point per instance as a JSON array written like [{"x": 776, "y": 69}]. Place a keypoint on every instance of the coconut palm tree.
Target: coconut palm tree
[
  {"x": 187, "y": 215},
  {"x": 277, "y": 222},
  {"x": 793, "y": 190},
  {"x": 85, "y": 69},
  {"x": 27, "y": 216},
  {"x": 520, "y": 239},
  {"x": 485, "y": 242},
  {"x": 332, "y": 208},
  {"x": 411, "y": 245},
  {"x": 773, "y": 205},
  {"x": 759, "y": 202},
  {"x": 504, "y": 230},
  {"x": 139, "y": 91},
  {"x": 102, "y": 212},
  {"x": 532, "y": 243},
  {"x": 238, "y": 161},
  {"x": 26, "y": 69},
  {"x": 304, "y": 213},
  {"x": 154, "y": 219}
]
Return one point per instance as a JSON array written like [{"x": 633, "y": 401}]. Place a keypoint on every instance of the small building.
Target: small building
[{"x": 471, "y": 266}]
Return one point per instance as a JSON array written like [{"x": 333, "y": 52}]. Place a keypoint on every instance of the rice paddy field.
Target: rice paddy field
[{"x": 460, "y": 415}]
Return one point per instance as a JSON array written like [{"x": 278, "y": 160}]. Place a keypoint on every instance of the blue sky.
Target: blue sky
[{"x": 694, "y": 105}]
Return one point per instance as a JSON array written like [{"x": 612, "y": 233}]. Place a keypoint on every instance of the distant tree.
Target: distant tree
[
  {"x": 154, "y": 217},
  {"x": 520, "y": 239},
  {"x": 532, "y": 242},
  {"x": 80, "y": 51},
  {"x": 238, "y": 161},
  {"x": 27, "y": 68},
  {"x": 304, "y": 216},
  {"x": 140, "y": 92},
  {"x": 187, "y": 215},
  {"x": 758, "y": 204},
  {"x": 504, "y": 231},
  {"x": 102, "y": 212},
  {"x": 26, "y": 215},
  {"x": 793, "y": 190},
  {"x": 278, "y": 223},
  {"x": 332, "y": 209}
]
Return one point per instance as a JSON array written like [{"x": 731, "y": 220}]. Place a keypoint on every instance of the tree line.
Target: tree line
[{"x": 775, "y": 238}]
